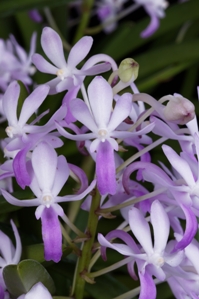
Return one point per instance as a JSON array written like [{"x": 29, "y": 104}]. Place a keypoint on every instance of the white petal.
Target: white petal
[
  {"x": 38, "y": 291},
  {"x": 179, "y": 164},
  {"x": 100, "y": 97},
  {"x": 121, "y": 111},
  {"x": 43, "y": 65},
  {"x": 81, "y": 112},
  {"x": 161, "y": 226},
  {"x": 10, "y": 101},
  {"x": 52, "y": 46},
  {"x": 44, "y": 162},
  {"x": 140, "y": 229},
  {"x": 79, "y": 51},
  {"x": 32, "y": 103},
  {"x": 62, "y": 174}
]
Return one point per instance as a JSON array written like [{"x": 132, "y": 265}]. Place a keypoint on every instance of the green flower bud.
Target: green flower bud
[{"x": 128, "y": 70}]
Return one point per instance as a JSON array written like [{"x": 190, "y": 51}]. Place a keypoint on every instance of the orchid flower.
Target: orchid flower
[
  {"x": 107, "y": 11},
  {"x": 102, "y": 122},
  {"x": 68, "y": 76},
  {"x": 19, "y": 127},
  {"x": 151, "y": 259},
  {"x": 15, "y": 63},
  {"x": 49, "y": 174}
]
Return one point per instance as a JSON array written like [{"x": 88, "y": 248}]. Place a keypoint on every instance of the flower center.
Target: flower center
[
  {"x": 47, "y": 200},
  {"x": 156, "y": 259},
  {"x": 60, "y": 73},
  {"x": 102, "y": 134}
]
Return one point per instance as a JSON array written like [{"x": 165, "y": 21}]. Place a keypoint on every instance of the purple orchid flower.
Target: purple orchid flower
[
  {"x": 49, "y": 174},
  {"x": 107, "y": 11},
  {"x": 102, "y": 122},
  {"x": 155, "y": 10},
  {"x": 19, "y": 127},
  {"x": 68, "y": 76},
  {"x": 15, "y": 63},
  {"x": 151, "y": 259}
]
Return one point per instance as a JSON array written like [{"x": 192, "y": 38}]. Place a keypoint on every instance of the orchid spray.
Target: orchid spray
[{"x": 99, "y": 180}]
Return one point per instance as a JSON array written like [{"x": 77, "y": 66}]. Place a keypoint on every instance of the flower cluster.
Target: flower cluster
[{"x": 104, "y": 120}]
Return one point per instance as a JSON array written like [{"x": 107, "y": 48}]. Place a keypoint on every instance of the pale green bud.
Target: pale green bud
[{"x": 128, "y": 70}]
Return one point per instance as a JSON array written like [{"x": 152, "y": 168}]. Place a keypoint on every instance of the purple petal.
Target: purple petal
[
  {"x": 20, "y": 168},
  {"x": 158, "y": 174},
  {"x": 80, "y": 137},
  {"x": 2, "y": 293},
  {"x": 44, "y": 162},
  {"x": 100, "y": 97},
  {"x": 121, "y": 248},
  {"x": 190, "y": 230},
  {"x": 52, "y": 46},
  {"x": 79, "y": 51},
  {"x": 76, "y": 196},
  {"x": 95, "y": 59},
  {"x": 10, "y": 101},
  {"x": 32, "y": 103},
  {"x": 161, "y": 226},
  {"x": 125, "y": 237},
  {"x": 140, "y": 229},
  {"x": 35, "y": 15},
  {"x": 81, "y": 112},
  {"x": 43, "y": 65},
  {"x": 121, "y": 111},
  {"x": 81, "y": 176},
  {"x": 152, "y": 27},
  {"x": 105, "y": 169},
  {"x": 51, "y": 234},
  {"x": 96, "y": 69},
  {"x": 126, "y": 134},
  {"x": 147, "y": 286}
]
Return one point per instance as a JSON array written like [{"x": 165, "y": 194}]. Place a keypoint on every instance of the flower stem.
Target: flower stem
[
  {"x": 85, "y": 17},
  {"x": 84, "y": 260},
  {"x": 111, "y": 268}
]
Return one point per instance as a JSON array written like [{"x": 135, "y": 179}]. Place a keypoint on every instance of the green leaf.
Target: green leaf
[
  {"x": 9, "y": 7},
  {"x": 20, "y": 278},
  {"x": 36, "y": 252},
  {"x": 161, "y": 76},
  {"x": 106, "y": 287},
  {"x": 162, "y": 57}
]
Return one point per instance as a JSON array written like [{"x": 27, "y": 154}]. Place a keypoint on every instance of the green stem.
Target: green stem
[
  {"x": 84, "y": 260},
  {"x": 85, "y": 17}
]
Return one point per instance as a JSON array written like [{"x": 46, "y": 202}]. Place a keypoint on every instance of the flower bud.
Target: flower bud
[
  {"x": 179, "y": 110},
  {"x": 128, "y": 70}
]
